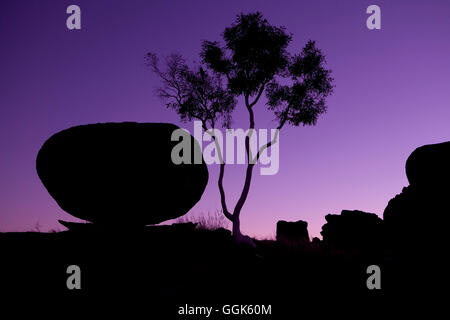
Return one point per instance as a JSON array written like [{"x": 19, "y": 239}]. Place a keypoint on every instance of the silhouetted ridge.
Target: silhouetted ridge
[{"x": 120, "y": 173}]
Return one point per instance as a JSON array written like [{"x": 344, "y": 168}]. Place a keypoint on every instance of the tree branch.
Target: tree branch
[
  {"x": 250, "y": 165},
  {"x": 223, "y": 202},
  {"x": 270, "y": 143},
  {"x": 245, "y": 190},
  {"x": 261, "y": 90}
]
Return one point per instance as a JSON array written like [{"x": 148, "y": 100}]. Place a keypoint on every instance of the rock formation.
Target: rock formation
[
  {"x": 428, "y": 167},
  {"x": 416, "y": 222},
  {"x": 352, "y": 230},
  {"x": 292, "y": 232},
  {"x": 121, "y": 173},
  {"x": 420, "y": 211}
]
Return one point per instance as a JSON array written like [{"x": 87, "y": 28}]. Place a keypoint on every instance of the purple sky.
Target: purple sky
[{"x": 392, "y": 95}]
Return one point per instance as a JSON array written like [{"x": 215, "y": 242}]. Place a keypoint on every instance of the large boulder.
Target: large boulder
[
  {"x": 428, "y": 167},
  {"x": 353, "y": 230},
  {"x": 121, "y": 173},
  {"x": 420, "y": 212},
  {"x": 292, "y": 232},
  {"x": 416, "y": 221}
]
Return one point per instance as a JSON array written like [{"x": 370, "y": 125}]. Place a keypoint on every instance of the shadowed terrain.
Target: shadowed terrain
[{"x": 163, "y": 267}]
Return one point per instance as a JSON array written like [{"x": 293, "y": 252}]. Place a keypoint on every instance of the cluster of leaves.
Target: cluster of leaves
[
  {"x": 193, "y": 94},
  {"x": 254, "y": 53},
  {"x": 253, "y": 59},
  {"x": 304, "y": 100}
]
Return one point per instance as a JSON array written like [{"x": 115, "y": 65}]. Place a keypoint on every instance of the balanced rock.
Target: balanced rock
[
  {"x": 292, "y": 232},
  {"x": 121, "y": 173},
  {"x": 352, "y": 230}
]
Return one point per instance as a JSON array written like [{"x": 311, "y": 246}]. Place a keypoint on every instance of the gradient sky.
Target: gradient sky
[{"x": 392, "y": 95}]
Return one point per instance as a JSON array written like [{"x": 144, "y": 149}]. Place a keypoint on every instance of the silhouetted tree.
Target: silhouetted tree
[
  {"x": 252, "y": 60},
  {"x": 193, "y": 94}
]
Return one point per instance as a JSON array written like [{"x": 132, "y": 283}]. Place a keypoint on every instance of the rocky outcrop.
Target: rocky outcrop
[
  {"x": 292, "y": 232},
  {"x": 416, "y": 222},
  {"x": 121, "y": 173},
  {"x": 420, "y": 212},
  {"x": 352, "y": 230}
]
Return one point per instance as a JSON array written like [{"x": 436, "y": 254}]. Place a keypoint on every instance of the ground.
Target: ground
[{"x": 161, "y": 268}]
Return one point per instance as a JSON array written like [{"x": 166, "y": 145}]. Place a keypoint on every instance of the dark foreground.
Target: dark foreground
[{"x": 158, "y": 270}]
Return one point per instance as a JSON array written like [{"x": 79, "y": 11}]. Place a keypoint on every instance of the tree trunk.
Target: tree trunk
[
  {"x": 237, "y": 210},
  {"x": 236, "y": 228}
]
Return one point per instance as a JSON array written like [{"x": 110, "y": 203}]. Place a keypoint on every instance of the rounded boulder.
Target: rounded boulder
[
  {"x": 429, "y": 166},
  {"x": 122, "y": 173}
]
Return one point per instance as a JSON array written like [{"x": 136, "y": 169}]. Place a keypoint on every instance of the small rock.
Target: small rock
[{"x": 292, "y": 232}]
